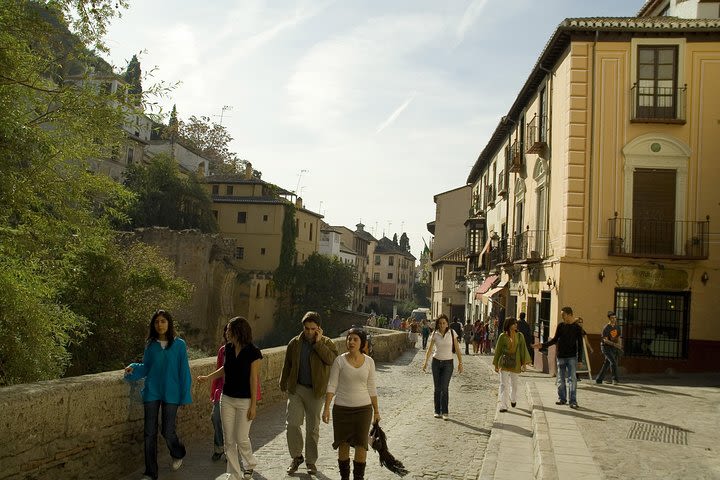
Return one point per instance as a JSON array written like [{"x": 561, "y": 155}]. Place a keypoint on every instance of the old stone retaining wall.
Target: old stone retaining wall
[{"x": 91, "y": 427}]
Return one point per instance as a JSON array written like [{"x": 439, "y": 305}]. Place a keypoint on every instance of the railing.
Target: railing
[
  {"x": 659, "y": 239},
  {"x": 530, "y": 246},
  {"x": 490, "y": 195},
  {"x": 502, "y": 183},
  {"x": 658, "y": 104},
  {"x": 515, "y": 157},
  {"x": 536, "y": 134},
  {"x": 501, "y": 254}
]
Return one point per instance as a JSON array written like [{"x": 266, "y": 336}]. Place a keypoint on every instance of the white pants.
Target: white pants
[
  {"x": 236, "y": 429},
  {"x": 508, "y": 387}
]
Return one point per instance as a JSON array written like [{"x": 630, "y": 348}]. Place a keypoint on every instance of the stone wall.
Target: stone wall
[{"x": 92, "y": 426}]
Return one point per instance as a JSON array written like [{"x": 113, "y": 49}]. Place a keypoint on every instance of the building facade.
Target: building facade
[{"x": 595, "y": 191}]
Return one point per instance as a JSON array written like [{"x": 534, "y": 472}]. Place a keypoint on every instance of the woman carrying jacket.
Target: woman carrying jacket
[
  {"x": 167, "y": 386},
  {"x": 511, "y": 356}
]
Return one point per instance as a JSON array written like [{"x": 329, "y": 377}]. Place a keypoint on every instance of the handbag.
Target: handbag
[{"x": 507, "y": 361}]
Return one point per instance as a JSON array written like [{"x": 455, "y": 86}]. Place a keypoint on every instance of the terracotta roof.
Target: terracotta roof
[
  {"x": 385, "y": 245},
  {"x": 555, "y": 48},
  {"x": 456, "y": 255},
  {"x": 240, "y": 180},
  {"x": 237, "y": 199}
]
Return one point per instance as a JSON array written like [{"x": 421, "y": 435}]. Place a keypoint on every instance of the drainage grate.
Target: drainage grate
[{"x": 658, "y": 433}]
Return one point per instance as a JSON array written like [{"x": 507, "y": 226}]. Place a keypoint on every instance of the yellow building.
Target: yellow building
[
  {"x": 597, "y": 188},
  {"x": 252, "y": 212}
]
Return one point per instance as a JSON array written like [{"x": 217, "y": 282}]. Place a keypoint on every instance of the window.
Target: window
[
  {"x": 376, "y": 277},
  {"x": 653, "y": 324},
  {"x": 228, "y": 189},
  {"x": 391, "y": 261},
  {"x": 265, "y": 218},
  {"x": 130, "y": 155},
  {"x": 656, "y": 89},
  {"x": 262, "y": 251},
  {"x": 459, "y": 274},
  {"x": 257, "y": 291},
  {"x": 239, "y": 253},
  {"x": 297, "y": 228},
  {"x": 242, "y": 217},
  {"x": 390, "y": 276},
  {"x": 215, "y": 214},
  {"x": 216, "y": 189},
  {"x": 377, "y": 259},
  {"x": 311, "y": 231}
]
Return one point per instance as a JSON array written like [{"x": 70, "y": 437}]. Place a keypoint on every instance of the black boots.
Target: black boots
[
  {"x": 344, "y": 466},
  {"x": 358, "y": 470}
]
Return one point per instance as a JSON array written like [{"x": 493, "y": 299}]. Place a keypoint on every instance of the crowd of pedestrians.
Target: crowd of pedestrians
[{"x": 322, "y": 385}]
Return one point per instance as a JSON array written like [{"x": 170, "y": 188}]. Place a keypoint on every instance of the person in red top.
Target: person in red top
[{"x": 215, "y": 393}]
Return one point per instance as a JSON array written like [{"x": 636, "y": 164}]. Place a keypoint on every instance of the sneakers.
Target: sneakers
[
  {"x": 445, "y": 416},
  {"x": 574, "y": 406},
  {"x": 296, "y": 462},
  {"x": 311, "y": 469},
  {"x": 176, "y": 464},
  {"x": 503, "y": 410},
  {"x": 560, "y": 402},
  {"x": 248, "y": 474},
  {"x": 437, "y": 415},
  {"x": 512, "y": 404}
]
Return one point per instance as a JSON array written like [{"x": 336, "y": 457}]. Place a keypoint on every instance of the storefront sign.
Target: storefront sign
[{"x": 652, "y": 278}]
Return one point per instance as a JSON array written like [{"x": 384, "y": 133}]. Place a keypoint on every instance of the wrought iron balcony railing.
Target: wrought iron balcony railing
[
  {"x": 645, "y": 238},
  {"x": 658, "y": 104},
  {"x": 515, "y": 164},
  {"x": 530, "y": 246},
  {"x": 537, "y": 134}
]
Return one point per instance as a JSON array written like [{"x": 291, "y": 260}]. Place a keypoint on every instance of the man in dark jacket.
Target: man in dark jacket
[
  {"x": 568, "y": 337},
  {"x": 305, "y": 374},
  {"x": 524, "y": 328},
  {"x": 457, "y": 328}
]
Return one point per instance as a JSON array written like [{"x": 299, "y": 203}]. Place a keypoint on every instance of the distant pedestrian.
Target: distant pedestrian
[
  {"x": 352, "y": 383},
  {"x": 467, "y": 336},
  {"x": 611, "y": 347},
  {"x": 511, "y": 357},
  {"x": 166, "y": 371},
  {"x": 238, "y": 402},
  {"x": 524, "y": 328},
  {"x": 425, "y": 332},
  {"x": 395, "y": 325},
  {"x": 457, "y": 328},
  {"x": 568, "y": 337},
  {"x": 444, "y": 340},
  {"x": 304, "y": 376},
  {"x": 215, "y": 394}
]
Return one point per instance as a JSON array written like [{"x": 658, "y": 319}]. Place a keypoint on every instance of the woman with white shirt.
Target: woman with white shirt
[
  {"x": 352, "y": 383},
  {"x": 443, "y": 339}
]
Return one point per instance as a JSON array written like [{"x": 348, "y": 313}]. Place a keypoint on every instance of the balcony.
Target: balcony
[
  {"x": 490, "y": 195},
  {"x": 643, "y": 238},
  {"x": 502, "y": 184},
  {"x": 653, "y": 104},
  {"x": 501, "y": 253},
  {"x": 530, "y": 246},
  {"x": 537, "y": 134},
  {"x": 515, "y": 156}
]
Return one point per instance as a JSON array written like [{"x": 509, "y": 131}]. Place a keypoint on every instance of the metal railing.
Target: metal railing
[
  {"x": 530, "y": 246},
  {"x": 536, "y": 133},
  {"x": 515, "y": 157},
  {"x": 659, "y": 238},
  {"x": 654, "y": 104}
]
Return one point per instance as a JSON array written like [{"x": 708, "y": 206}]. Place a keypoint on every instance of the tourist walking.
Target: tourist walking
[
  {"x": 611, "y": 347},
  {"x": 238, "y": 402},
  {"x": 352, "y": 384},
  {"x": 425, "y": 332},
  {"x": 166, "y": 371},
  {"x": 308, "y": 358},
  {"x": 568, "y": 337},
  {"x": 524, "y": 328},
  {"x": 215, "y": 393},
  {"x": 467, "y": 336},
  {"x": 445, "y": 343},
  {"x": 477, "y": 337},
  {"x": 511, "y": 357}
]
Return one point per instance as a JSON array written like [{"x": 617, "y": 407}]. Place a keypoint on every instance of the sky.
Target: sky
[{"x": 365, "y": 108}]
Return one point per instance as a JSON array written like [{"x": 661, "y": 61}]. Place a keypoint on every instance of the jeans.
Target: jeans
[
  {"x": 424, "y": 340},
  {"x": 442, "y": 371},
  {"x": 611, "y": 361},
  {"x": 303, "y": 405},
  {"x": 236, "y": 427},
  {"x": 169, "y": 414},
  {"x": 217, "y": 427},
  {"x": 566, "y": 373}
]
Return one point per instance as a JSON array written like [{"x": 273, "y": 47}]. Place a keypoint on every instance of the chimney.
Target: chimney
[
  {"x": 360, "y": 227},
  {"x": 248, "y": 171},
  {"x": 298, "y": 202}
]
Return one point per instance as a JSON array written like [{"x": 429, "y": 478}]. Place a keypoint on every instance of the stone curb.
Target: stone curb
[
  {"x": 489, "y": 463},
  {"x": 543, "y": 455}
]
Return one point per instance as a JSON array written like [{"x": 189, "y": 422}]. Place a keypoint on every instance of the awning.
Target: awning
[
  {"x": 486, "y": 247},
  {"x": 485, "y": 286},
  {"x": 490, "y": 293}
]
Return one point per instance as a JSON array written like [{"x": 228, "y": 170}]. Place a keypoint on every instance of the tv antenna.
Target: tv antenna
[{"x": 222, "y": 112}]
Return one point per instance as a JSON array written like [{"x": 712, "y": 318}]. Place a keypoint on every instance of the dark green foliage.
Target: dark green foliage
[
  {"x": 421, "y": 294},
  {"x": 323, "y": 283},
  {"x": 166, "y": 199},
  {"x": 133, "y": 77}
]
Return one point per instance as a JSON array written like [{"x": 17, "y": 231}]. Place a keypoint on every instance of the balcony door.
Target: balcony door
[
  {"x": 657, "y": 82},
  {"x": 653, "y": 211}
]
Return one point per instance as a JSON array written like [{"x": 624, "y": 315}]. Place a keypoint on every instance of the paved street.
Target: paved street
[{"x": 653, "y": 426}]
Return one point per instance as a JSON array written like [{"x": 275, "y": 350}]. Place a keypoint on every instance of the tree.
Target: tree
[
  {"x": 133, "y": 77},
  {"x": 212, "y": 140},
  {"x": 405, "y": 242},
  {"x": 323, "y": 283},
  {"x": 395, "y": 240},
  {"x": 166, "y": 199}
]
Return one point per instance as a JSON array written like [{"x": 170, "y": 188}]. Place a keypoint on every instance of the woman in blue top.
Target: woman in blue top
[
  {"x": 238, "y": 403},
  {"x": 167, "y": 376}
]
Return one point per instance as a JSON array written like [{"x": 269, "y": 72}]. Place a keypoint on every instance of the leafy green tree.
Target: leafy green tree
[
  {"x": 421, "y": 294},
  {"x": 323, "y": 283},
  {"x": 133, "y": 77},
  {"x": 167, "y": 199}
]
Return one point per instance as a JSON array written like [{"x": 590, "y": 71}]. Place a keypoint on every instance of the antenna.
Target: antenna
[
  {"x": 299, "y": 177},
  {"x": 222, "y": 112}
]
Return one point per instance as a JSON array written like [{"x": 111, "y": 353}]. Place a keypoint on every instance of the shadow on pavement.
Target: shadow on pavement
[
  {"x": 578, "y": 414},
  {"x": 652, "y": 390},
  {"x": 609, "y": 390},
  {"x": 516, "y": 411},
  {"x": 513, "y": 428},
  {"x": 484, "y": 431}
]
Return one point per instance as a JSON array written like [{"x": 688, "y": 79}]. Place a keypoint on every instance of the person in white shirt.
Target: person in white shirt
[
  {"x": 444, "y": 340},
  {"x": 352, "y": 383}
]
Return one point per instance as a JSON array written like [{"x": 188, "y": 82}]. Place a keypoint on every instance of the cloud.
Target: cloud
[
  {"x": 472, "y": 13},
  {"x": 396, "y": 113}
]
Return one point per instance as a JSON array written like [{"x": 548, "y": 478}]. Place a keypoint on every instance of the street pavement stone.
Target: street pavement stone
[{"x": 430, "y": 448}]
